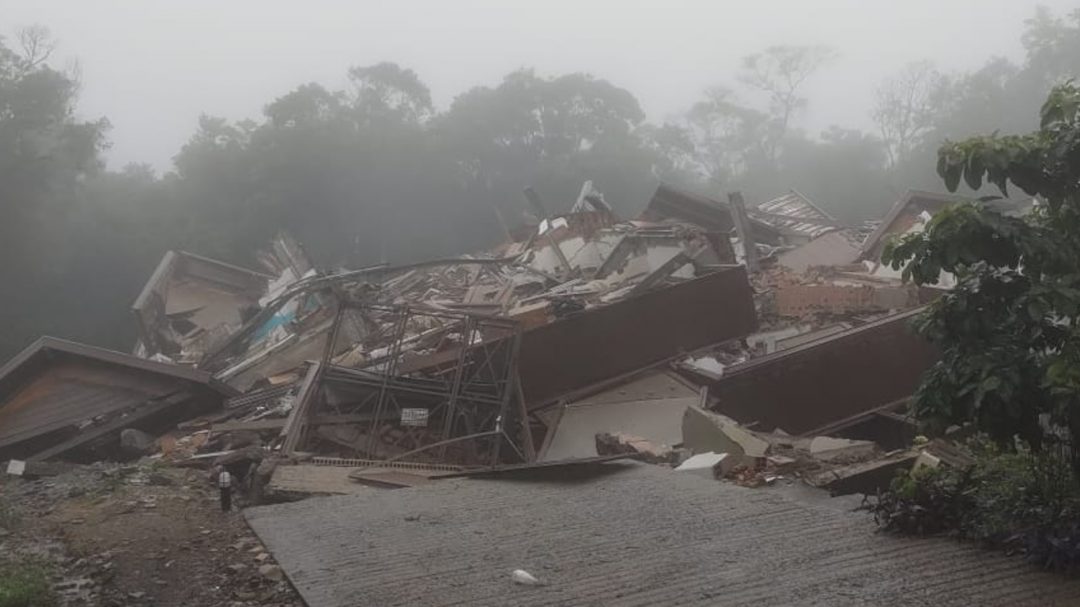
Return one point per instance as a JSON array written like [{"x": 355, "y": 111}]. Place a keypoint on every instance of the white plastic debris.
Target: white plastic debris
[{"x": 520, "y": 576}]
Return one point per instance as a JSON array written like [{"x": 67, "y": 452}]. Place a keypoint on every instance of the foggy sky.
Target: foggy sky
[{"x": 152, "y": 66}]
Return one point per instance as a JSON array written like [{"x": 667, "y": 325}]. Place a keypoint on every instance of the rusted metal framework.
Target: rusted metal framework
[{"x": 434, "y": 385}]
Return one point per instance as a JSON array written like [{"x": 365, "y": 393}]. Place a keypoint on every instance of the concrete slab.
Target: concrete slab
[
  {"x": 659, "y": 421},
  {"x": 707, "y": 431},
  {"x": 638, "y": 536}
]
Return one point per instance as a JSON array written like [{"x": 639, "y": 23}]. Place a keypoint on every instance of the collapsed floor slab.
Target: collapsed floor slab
[{"x": 817, "y": 384}]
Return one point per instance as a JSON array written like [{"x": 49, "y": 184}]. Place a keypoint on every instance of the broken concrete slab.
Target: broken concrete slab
[
  {"x": 649, "y": 405},
  {"x": 949, "y": 454},
  {"x": 865, "y": 477},
  {"x": 137, "y": 442},
  {"x": 829, "y": 449},
  {"x": 705, "y": 431},
  {"x": 703, "y": 464},
  {"x": 647, "y": 451},
  {"x": 638, "y": 536},
  {"x": 713, "y": 465},
  {"x": 926, "y": 460}
]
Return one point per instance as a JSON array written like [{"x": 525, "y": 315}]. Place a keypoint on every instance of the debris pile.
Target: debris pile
[{"x": 748, "y": 344}]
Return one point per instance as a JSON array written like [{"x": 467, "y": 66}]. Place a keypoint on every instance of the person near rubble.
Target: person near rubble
[{"x": 224, "y": 483}]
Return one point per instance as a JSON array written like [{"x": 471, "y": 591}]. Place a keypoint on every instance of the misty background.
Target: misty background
[{"x": 397, "y": 131}]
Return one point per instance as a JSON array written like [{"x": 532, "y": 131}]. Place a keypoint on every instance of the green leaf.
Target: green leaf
[
  {"x": 973, "y": 172},
  {"x": 952, "y": 176}
]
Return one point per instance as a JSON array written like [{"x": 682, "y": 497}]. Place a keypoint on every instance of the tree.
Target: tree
[
  {"x": 1053, "y": 45},
  {"x": 551, "y": 134},
  {"x": 42, "y": 147},
  {"x": 729, "y": 136},
  {"x": 815, "y": 167},
  {"x": 905, "y": 107},
  {"x": 1009, "y": 332},
  {"x": 780, "y": 72},
  {"x": 45, "y": 156},
  {"x": 386, "y": 91}
]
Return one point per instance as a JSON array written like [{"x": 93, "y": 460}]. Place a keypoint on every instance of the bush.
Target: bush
[
  {"x": 1017, "y": 501},
  {"x": 25, "y": 584}
]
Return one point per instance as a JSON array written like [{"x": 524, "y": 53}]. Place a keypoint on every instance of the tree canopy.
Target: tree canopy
[
  {"x": 376, "y": 171},
  {"x": 1008, "y": 331}
]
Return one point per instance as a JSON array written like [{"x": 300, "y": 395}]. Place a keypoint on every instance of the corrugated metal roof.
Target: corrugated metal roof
[
  {"x": 795, "y": 213},
  {"x": 641, "y": 536}
]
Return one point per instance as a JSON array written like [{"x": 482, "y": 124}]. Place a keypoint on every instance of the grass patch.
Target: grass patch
[{"x": 25, "y": 584}]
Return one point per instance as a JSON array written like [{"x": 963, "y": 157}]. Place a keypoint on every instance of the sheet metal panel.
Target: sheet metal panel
[
  {"x": 824, "y": 381},
  {"x": 613, "y": 340}
]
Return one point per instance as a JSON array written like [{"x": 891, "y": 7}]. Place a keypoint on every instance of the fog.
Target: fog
[
  {"x": 152, "y": 68},
  {"x": 402, "y": 131}
]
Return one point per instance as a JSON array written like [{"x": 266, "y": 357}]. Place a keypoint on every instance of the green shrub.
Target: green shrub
[{"x": 1020, "y": 501}]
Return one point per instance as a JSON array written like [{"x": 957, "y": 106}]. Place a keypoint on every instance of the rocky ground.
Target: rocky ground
[{"x": 137, "y": 535}]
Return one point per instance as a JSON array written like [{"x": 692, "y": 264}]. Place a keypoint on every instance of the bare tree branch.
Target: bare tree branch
[
  {"x": 36, "y": 45},
  {"x": 905, "y": 106},
  {"x": 780, "y": 71}
]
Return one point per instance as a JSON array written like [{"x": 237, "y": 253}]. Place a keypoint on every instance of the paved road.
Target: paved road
[{"x": 640, "y": 536}]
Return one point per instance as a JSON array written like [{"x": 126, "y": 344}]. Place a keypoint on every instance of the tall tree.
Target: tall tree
[
  {"x": 552, "y": 134},
  {"x": 729, "y": 136},
  {"x": 45, "y": 154},
  {"x": 386, "y": 91},
  {"x": 905, "y": 107},
  {"x": 780, "y": 72}
]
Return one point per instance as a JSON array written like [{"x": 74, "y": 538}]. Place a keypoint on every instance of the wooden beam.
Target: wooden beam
[
  {"x": 745, "y": 232},
  {"x": 294, "y": 424}
]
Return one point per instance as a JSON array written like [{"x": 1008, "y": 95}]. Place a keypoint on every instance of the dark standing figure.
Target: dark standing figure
[{"x": 224, "y": 483}]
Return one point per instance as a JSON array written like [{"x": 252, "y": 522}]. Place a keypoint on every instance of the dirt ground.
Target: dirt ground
[{"x": 138, "y": 535}]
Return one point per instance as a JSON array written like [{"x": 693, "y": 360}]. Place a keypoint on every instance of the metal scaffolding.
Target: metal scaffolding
[{"x": 433, "y": 386}]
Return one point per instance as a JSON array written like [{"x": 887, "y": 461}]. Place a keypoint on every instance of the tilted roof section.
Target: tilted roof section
[
  {"x": 795, "y": 213},
  {"x": 44, "y": 349},
  {"x": 203, "y": 268},
  {"x": 713, "y": 215},
  {"x": 912, "y": 203}
]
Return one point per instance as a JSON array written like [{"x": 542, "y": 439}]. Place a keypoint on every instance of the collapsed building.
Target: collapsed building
[
  {"x": 718, "y": 340},
  {"x": 580, "y": 324}
]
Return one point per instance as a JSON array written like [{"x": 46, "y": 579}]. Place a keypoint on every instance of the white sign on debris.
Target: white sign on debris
[
  {"x": 16, "y": 467},
  {"x": 414, "y": 417}
]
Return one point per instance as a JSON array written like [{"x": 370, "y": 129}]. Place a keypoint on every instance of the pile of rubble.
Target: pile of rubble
[
  {"x": 579, "y": 324},
  {"x": 746, "y": 344}
]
